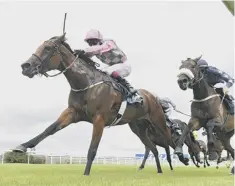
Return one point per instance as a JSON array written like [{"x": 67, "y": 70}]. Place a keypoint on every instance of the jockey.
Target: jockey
[
  {"x": 220, "y": 80},
  {"x": 168, "y": 106},
  {"x": 107, "y": 51}
]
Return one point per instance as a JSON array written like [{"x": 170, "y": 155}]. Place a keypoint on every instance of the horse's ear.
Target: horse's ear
[
  {"x": 62, "y": 37},
  {"x": 197, "y": 59}
]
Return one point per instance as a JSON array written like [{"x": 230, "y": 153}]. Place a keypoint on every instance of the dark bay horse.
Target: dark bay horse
[
  {"x": 159, "y": 140},
  {"x": 207, "y": 109},
  {"x": 94, "y": 97}
]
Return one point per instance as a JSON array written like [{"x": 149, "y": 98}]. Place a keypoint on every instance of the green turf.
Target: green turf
[{"x": 107, "y": 175}]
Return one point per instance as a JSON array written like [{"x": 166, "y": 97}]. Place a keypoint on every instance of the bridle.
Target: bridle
[
  {"x": 193, "y": 81},
  {"x": 56, "y": 49}
]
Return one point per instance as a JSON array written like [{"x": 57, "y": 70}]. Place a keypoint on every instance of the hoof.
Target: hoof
[
  {"x": 186, "y": 163},
  {"x": 217, "y": 167},
  {"x": 204, "y": 166},
  {"x": 140, "y": 168},
  {"x": 160, "y": 173},
  {"x": 20, "y": 149}
]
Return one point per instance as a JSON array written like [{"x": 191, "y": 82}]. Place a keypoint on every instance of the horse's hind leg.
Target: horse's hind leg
[
  {"x": 147, "y": 150},
  {"x": 204, "y": 160},
  {"x": 142, "y": 134},
  {"x": 67, "y": 117},
  {"x": 168, "y": 156}
]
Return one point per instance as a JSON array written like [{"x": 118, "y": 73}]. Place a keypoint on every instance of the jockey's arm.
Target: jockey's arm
[
  {"x": 170, "y": 102},
  {"x": 99, "y": 49},
  {"x": 227, "y": 80}
]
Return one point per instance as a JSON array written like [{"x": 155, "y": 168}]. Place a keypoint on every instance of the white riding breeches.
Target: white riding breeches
[{"x": 123, "y": 69}]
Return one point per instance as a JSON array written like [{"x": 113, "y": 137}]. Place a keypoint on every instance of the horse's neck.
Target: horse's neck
[
  {"x": 202, "y": 90},
  {"x": 81, "y": 75}
]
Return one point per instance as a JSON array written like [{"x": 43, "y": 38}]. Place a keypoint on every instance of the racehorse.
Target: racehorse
[
  {"x": 157, "y": 139},
  {"x": 207, "y": 109},
  {"x": 94, "y": 97}
]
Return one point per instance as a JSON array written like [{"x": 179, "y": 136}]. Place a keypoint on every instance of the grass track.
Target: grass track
[{"x": 109, "y": 175}]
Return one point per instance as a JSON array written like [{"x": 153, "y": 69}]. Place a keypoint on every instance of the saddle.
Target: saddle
[
  {"x": 227, "y": 100},
  {"x": 229, "y": 105}
]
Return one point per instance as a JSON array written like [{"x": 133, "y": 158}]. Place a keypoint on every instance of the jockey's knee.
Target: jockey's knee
[{"x": 124, "y": 69}]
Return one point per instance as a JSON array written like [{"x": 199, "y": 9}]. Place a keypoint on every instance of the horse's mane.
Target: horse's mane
[{"x": 88, "y": 60}]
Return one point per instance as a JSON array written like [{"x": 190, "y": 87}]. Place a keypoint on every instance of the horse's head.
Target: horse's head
[
  {"x": 189, "y": 73},
  {"x": 48, "y": 56}
]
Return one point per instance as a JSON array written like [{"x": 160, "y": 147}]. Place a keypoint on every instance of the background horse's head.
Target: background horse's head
[
  {"x": 48, "y": 56},
  {"x": 189, "y": 73}
]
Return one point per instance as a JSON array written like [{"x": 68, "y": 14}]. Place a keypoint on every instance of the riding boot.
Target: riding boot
[{"x": 127, "y": 85}]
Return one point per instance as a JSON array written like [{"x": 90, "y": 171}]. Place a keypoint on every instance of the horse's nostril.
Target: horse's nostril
[
  {"x": 184, "y": 80},
  {"x": 38, "y": 67},
  {"x": 25, "y": 66}
]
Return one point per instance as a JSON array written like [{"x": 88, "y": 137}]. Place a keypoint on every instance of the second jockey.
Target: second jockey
[
  {"x": 107, "y": 51},
  {"x": 168, "y": 106}
]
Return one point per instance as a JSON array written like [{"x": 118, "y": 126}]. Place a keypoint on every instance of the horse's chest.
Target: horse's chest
[{"x": 204, "y": 110}]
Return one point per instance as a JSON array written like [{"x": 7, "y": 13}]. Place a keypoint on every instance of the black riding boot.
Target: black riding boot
[{"x": 127, "y": 85}]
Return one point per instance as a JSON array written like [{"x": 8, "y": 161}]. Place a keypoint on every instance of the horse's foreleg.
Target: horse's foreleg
[
  {"x": 193, "y": 125},
  {"x": 218, "y": 161},
  {"x": 98, "y": 128},
  {"x": 210, "y": 125},
  {"x": 192, "y": 157},
  {"x": 204, "y": 160},
  {"x": 207, "y": 163},
  {"x": 147, "y": 151},
  {"x": 67, "y": 117}
]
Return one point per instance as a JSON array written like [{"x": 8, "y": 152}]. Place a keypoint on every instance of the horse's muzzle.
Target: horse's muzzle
[
  {"x": 27, "y": 70},
  {"x": 183, "y": 84}
]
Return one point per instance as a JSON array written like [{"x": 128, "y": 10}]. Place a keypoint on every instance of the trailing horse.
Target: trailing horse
[
  {"x": 207, "y": 109},
  {"x": 94, "y": 97}
]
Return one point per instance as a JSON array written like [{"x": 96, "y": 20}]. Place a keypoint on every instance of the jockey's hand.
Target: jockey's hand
[{"x": 79, "y": 52}]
